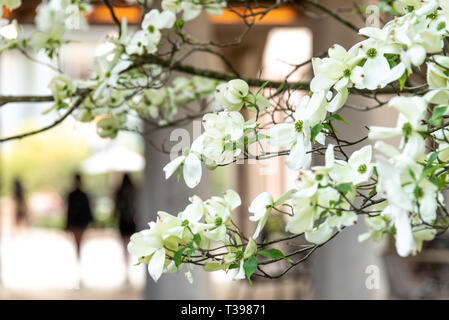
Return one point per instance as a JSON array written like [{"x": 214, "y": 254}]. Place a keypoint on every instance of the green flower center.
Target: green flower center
[
  {"x": 347, "y": 73},
  {"x": 418, "y": 192},
  {"x": 371, "y": 53},
  {"x": 218, "y": 221},
  {"x": 432, "y": 16},
  {"x": 362, "y": 168},
  {"x": 299, "y": 126},
  {"x": 150, "y": 29},
  {"x": 407, "y": 129},
  {"x": 318, "y": 177}
]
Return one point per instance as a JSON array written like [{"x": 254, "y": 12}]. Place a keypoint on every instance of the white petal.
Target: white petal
[
  {"x": 156, "y": 264},
  {"x": 282, "y": 134},
  {"x": 259, "y": 205},
  {"x": 386, "y": 149},
  {"x": 338, "y": 101},
  {"x": 393, "y": 75},
  {"x": 376, "y": 132},
  {"x": 329, "y": 156},
  {"x": 297, "y": 157},
  {"x": 360, "y": 157},
  {"x": 375, "y": 70},
  {"x": 194, "y": 211},
  {"x": 232, "y": 198},
  {"x": 321, "y": 82},
  {"x": 241, "y": 274},
  {"x": 417, "y": 55},
  {"x": 190, "y": 10},
  {"x": 337, "y": 52},
  {"x": 165, "y": 20},
  {"x": 320, "y": 235},
  {"x": 192, "y": 170},
  {"x": 172, "y": 166},
  {"x": 439, "y": 96},
  {"x": 404, "y": 237},
  {"x": 413, "y": 108},
  {"x": 415, "y": 146},
  {"x": 341, "y": 172},
  {"x": 301, "y": 221}
]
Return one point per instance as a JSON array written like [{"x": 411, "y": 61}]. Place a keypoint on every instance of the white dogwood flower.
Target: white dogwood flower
[
  {"x": 336, "y": 69},
  {"x": 309, "y": 112},
  {"x": 232, "y": 94},
  {"x": 261, "y": 208},
  {"x": 358, "y": 169},
  {"x": 191, "y": 168}
]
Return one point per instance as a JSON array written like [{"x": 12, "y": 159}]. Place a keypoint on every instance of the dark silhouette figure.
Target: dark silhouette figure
[
  {"x": 21, "y": 206},
  {"x": 79, "y": 214},
  {"x": 125, "y": 207}
]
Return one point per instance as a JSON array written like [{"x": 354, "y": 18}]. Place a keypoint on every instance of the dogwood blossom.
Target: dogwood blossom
[
  {"x": 147, "y": 39},
  {"x": 261, "y": 209},
  {"x": 309, "y": 112},
  {"x": 235, "y": 93},
  {"x": 358, "y": 169}
]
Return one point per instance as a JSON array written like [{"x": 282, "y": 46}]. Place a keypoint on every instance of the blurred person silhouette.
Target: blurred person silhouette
[
  {"x": 79, "y": 213},
  {"x": 20, "y": 203},
  {"x": 125, "y": 209}
]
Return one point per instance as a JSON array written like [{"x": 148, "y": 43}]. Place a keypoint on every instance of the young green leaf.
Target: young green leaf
[
  {"x": 316, "y": 129},
  {"x": 197, "y": 239},
  {"x": 250, "y": 266},
  {"x": 335, "y": 117},
  {"x": 177, "y": 258},
  {"x": 344, "y": 187},
  {"x": 272, "y": 253}
]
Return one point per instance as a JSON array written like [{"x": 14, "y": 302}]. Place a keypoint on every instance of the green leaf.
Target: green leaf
[
  {"x": 442, "y": 181},
  {"x": 412, "y": 174},
  {"x": 335, "y": 117},
  {"x": 180, "y": 24},
  {"x": 316, "y": 129},
  {"x": 234, "y": 266},
  {"x": 197, "y": 239},
  {"x": 344, "y": 187},
  {"x": 262, "y": 86},
  {"x": 432, "y": 158},
  {"x": 437, "y": 116},
  {"x": 250, "y": 266},
  {"x": 177, "y": 258},
  {"x": 272, "y": 253},
  {"x": 402, "y": 81},
  {"x": 190, "y": 252}
]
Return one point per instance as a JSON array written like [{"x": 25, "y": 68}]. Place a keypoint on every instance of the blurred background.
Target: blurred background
[{"x": 39, "y": 256}]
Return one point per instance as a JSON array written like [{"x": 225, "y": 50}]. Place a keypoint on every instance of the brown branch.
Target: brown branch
[
  {"x": 333, "y": 14},
  {"x": 10, "y": 99},
  {"x": 54, "y": 124},
  {"x": 114, "y": 17}
]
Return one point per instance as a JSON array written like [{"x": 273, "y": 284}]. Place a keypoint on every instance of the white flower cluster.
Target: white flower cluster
[
  {"x": 53, "y": 19},
  {"x": 172, "y": 240},
  {"x": 404, "y": 182},
  {"x": 411, "y": 198},
  {"x": 400, "y": 192},
  {"x": 220, "y": 144}
]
